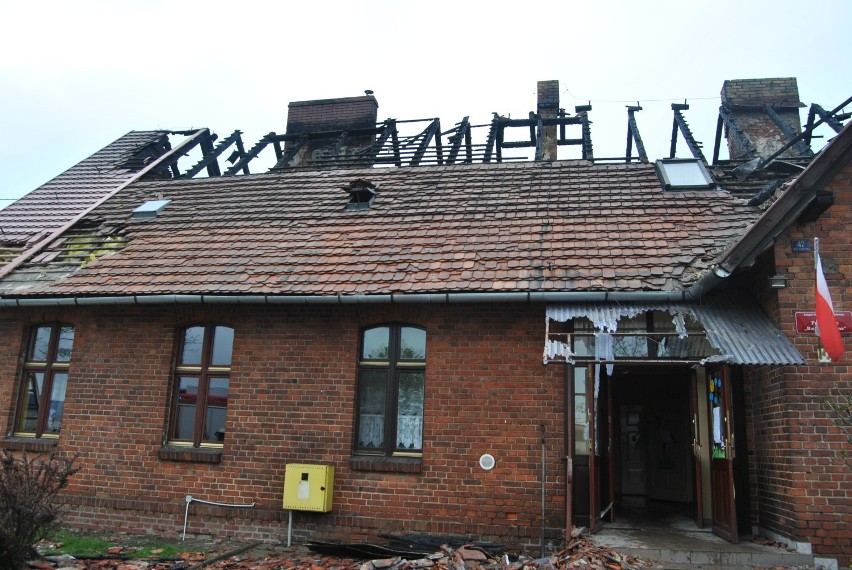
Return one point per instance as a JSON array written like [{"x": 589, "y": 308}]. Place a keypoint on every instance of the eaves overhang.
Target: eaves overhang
[{"x": 784, "y": 211}]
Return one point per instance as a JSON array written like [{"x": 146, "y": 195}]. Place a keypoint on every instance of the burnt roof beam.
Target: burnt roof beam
[
  {"x": 634, "y": 136},
  {"x": 808, "y": 132},
  {"x": 679, "y": 124},
  {"x": 290, "y": 154},
  {"x": 740, "y": 137},
  {"x": 211, "y": 155},
  {"x": 426, "y": 138},
  {"x": 792, "y": 136},
  {"x": 830, "y": 120},
  {"x": 246, "y": 157},
  {"x": 460, "y": 134}
]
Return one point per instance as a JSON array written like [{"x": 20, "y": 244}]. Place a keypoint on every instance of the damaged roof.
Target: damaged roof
[{"x": 535, "y": 226}]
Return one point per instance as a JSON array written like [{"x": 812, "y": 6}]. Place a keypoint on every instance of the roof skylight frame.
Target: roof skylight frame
[
  {"x": 149, "y": 209},
  {"x": 680, "y": 174}
]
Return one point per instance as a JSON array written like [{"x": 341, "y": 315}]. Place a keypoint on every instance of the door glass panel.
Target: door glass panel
[
  {"x": 187, "y": 398},
  {"x": 29, "y": 413},
  {"x": 409, "y": 420},
  {"x": 371, "y": 410},
  {"x": 217, "y": 403},
  {"x": 57, "y": 402},
  {"x": 714, "y": 393},
  {"x": 581, "y": 420}
]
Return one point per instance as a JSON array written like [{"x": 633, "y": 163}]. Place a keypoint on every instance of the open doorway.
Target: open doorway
[{"x": 652, "y": 467}]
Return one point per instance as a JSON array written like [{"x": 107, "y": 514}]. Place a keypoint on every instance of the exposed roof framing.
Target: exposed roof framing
[
  {"x": 784, "y": 127},
  {"x": 726, "y": 119},
  {"x": 536, "y": 124},
  {"x": 634, "y": 136},
  {"x": 679, "y": 124},
  {"x": 831, "y": 119}
]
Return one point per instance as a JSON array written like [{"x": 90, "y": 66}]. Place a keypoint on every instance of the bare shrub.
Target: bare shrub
[{"x": 28, "y": 489}]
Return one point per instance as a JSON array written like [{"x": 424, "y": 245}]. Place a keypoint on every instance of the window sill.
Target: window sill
[
  {"x": 37, "y": 445},
  {"x": 192, "y": 454},
  {"x": 386, "y": 464}
]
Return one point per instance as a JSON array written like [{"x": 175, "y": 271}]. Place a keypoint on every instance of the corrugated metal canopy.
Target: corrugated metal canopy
[{"x": 734, "y": 326}]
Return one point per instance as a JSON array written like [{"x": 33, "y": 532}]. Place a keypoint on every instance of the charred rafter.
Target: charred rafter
[
  {"x": 634, "y": 136},
  {"x": 679, "y": 124}
]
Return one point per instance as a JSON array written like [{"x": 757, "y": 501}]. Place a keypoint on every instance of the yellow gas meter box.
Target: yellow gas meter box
[{"x": 308, "y": 487}]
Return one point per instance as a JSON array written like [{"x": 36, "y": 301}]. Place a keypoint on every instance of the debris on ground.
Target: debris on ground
[{"x": 580, "y": 553}]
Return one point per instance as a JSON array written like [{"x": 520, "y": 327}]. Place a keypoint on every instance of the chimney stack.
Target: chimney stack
[
  {"x": 332, "y": 116},
  {"x": 766, "y": 112},
  {"x": 548, "y": 107}
]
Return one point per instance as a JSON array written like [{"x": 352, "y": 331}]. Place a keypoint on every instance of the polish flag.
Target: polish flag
[{"x": 826, "y": 328}]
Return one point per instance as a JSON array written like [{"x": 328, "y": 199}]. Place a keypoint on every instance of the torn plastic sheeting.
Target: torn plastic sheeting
[
  {"x": 557, "y": 348},
  {"x": 734, "y": 326},
  {"x": 605, "y": 317}
]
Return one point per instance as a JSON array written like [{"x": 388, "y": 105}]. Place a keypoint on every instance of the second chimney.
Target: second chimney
[
  {"x": 766, "y": 111},
  {"x": 548, "y": 107}
]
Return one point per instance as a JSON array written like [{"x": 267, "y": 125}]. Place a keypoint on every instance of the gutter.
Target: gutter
[{"x": 424, "y": 298}]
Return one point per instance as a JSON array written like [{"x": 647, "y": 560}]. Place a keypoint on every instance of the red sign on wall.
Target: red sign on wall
[{"x": 806, "y": 321}]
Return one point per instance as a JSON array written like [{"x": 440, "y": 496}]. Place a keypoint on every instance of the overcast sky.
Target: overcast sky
[{"x": 76, "y": 75}]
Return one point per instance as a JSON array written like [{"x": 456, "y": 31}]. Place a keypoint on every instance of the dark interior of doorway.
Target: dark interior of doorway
[{"x": 653, "y": 471}]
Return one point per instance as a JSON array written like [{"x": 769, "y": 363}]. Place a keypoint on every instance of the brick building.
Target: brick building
[{"x": 477, "y": 348}]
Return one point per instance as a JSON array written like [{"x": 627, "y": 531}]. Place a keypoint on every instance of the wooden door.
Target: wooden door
[
  {"x": 723, "y": 451},
  {"x": 696, "y": 449}
]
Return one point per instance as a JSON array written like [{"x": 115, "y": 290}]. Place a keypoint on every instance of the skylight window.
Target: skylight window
[
  {"x": 149, "y": 209},
  {"x": 684, "y": 174}
]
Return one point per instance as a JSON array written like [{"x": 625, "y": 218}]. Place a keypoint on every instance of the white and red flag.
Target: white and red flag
[{"x": 826, "y": 328}]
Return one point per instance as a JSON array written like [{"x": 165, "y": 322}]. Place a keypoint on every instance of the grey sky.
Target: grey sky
[{"x": 74, "y": 76}]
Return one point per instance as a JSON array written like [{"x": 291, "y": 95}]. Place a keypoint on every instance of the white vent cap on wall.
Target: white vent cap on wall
[{"x": 487, "y": 461}]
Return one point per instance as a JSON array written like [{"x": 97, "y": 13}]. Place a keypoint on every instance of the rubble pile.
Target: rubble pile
[{"x": 580, "y": 553}]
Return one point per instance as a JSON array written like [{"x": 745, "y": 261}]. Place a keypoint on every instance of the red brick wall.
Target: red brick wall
[
  {"x": 804, "y": 486},
  {"x": 292, "y": 399}
]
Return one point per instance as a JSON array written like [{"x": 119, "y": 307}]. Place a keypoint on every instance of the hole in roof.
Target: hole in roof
[
  {"x": 149, "y": 209},
  {"x": 683, "y": 174},
  {"x": 361, "y": 194}
]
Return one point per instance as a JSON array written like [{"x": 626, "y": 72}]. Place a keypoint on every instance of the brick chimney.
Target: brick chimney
[
  {"x": 548, "y": 107},
  {"x": 766, "y": 113},
  {"x": 332, "y": 117}
]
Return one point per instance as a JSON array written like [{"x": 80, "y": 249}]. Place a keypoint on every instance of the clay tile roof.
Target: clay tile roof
[
  {"x": 48, "y": 207},
  {"x": 562, "y": 226}
]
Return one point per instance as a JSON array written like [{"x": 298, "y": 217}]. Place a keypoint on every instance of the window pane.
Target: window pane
[
  {"x": 376, "y": 343},
  {"x": 66, "y": 342},
  {"x": 412, "y": 344},
  {"x": 39, "y": 344},
  {"x": 630, "y": 346},
  {"x": 29, "y": 413},
  {"x": 193, "y": 339},
  {"x": 372, "y": 390},
  {"x": 217, "y": 402},
  {"x": 187, "y": 397},
  {"x": 57, "y": 402},
  {"x": 581, "y": 421},
  {"x": 409, "y": 419},
  {"x": 223, "y": 344}
]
